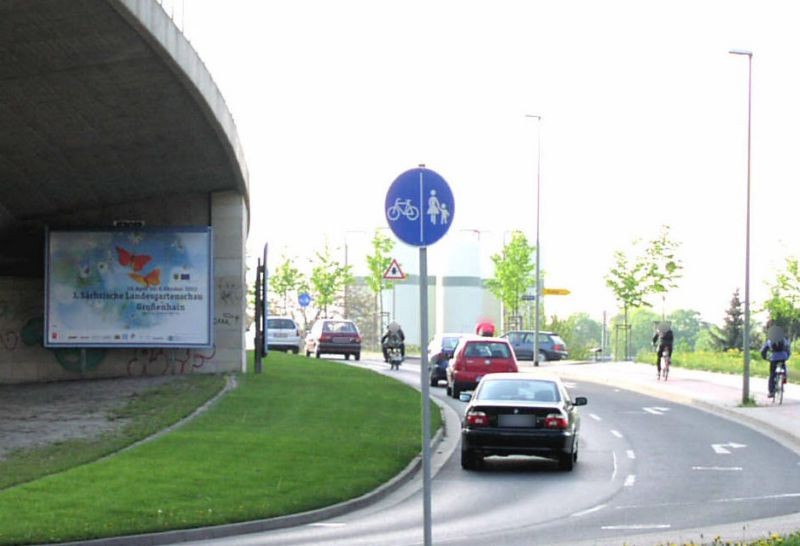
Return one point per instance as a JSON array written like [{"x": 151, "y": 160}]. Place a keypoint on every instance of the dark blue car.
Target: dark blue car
[{"x": 440, "y": 351}]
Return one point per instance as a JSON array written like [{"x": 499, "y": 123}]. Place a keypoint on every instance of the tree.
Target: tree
[
  {"x": 686, "y": 325},
  {"x": 287, "y": 278},
  {"x": 730, "y": 336},
  {"x": 328, "y": 278},
  {"x": 627, "y": 280},
  {"x": 580, "y": 333},
  {"x": 513, "y": 273},
  {"x": 663, "y": 267},
  {"x": 377, "y": 264},
  {"x": 654, "y": 271},
  {"x": 783, "y": 307}
]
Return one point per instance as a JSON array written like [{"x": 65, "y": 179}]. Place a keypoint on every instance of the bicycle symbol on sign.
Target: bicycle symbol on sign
[{"x": 402, "y": 207}]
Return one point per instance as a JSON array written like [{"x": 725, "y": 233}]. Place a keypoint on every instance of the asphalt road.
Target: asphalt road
[{"x": 646, "y": 466}]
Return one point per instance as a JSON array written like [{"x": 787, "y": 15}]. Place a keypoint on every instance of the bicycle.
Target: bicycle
[
  {"x": 402, "y": 207},
  {"x": 666, "y": 360},
  {"x": 779, "y": 383}
]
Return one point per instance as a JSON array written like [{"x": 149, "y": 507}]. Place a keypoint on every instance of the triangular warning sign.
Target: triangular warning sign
[{"x": 393, "y": 272}]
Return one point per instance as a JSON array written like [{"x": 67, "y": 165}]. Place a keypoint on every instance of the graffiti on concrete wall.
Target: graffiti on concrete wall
[
  {"x": 230, "y": 302},
  {"x": 159, "y": 361}
]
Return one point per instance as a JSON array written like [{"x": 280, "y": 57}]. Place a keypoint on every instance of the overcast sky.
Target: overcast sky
[{"x": 644, "y": 123}]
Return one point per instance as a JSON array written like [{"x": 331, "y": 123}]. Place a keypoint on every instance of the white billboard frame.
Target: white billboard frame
[{"x": 129, "y": 287}]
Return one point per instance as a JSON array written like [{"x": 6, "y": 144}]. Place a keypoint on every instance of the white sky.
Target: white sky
[{"x": 644, "y": 123}]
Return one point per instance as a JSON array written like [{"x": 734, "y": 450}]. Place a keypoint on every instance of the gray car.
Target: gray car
[{"x": 551, "y": 346}]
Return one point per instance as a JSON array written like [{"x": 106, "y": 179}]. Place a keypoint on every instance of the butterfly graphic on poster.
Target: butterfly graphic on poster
[
  {"x": 151, "y": 279},
  {"x": 135, "y": 261}
]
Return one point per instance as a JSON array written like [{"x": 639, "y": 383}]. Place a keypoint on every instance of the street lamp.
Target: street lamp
[
  {"x": 538, "y": 210},
  {"x": 746, "y": 336}
]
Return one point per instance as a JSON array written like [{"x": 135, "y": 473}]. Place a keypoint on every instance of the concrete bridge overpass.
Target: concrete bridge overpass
[{"x": 109, "y": 115}]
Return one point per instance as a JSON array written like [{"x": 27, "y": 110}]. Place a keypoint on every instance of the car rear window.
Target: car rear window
[
  {"x": 340, "y": 327},
  {"x": 532, "y": 391},
  {"x": 487, "y": 349},
  {"x": 280, "y": 324},
  {"x": 449, "y": 343}
]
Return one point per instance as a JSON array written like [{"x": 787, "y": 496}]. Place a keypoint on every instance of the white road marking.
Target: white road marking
[
  {"x": 636, "y": 527},
  {"x": 589, "y": 511},
  {"x": 631, "y": 454},
  {"x": 327, "y": 524},
  {"x": 597, "y": 418},
  {"x": 614, "y": 460},
  {"x": 616, "y": 433},
  {"x": 722, "y": 449},
  {"x": 630, "y": 480},
  {"x": 720, "y": 468},
  {"x": 656, "y": 410}
]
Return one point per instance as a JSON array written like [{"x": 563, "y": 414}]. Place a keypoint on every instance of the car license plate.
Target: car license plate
[
  {"x": 281, "y": 334},
  {"x": 341, "y": 340},
  {"x": 516, "y": 420}
]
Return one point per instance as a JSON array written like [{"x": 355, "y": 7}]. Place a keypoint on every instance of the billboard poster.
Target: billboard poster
[{"x": 129, "y": 288}]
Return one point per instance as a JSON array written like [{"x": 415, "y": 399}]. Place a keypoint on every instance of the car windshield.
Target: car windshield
[
  {"x": 525, "y": 390},
  {"x": 280, "y": 324},
  {"x": 487, "y": 349}
]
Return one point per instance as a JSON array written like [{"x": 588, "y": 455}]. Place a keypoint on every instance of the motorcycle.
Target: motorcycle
[{"x": 395, "y": 356}]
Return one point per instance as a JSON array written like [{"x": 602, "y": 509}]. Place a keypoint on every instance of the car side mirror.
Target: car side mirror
[
  {"x": 581, "y": 401},
  {"x": 465, "y": 396}
]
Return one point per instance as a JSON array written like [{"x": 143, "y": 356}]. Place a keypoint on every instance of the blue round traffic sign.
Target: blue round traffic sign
[
  {"x": 419, "y": 207},
  {"x": 304, "y": 299}
]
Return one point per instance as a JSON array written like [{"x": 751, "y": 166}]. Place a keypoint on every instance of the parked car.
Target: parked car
[
  {"x": 335, "y": 337},
  {"x": 440, "y": 351},
  {"x": 551, "y": 346},
  {"x": 283, "y": 334},
  {"x": 476, "y": 357},
  {"x": 520, "y": 414}
]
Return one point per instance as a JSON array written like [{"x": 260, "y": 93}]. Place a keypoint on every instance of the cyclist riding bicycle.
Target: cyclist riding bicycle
[
  {"x": 779, "y": 349},
  {"x": 663, "y": 340}
]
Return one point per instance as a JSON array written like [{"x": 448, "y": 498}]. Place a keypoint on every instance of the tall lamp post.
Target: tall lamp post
[
  {"x": 537, "y": 303},
  {"x": 746, "y": 335}
]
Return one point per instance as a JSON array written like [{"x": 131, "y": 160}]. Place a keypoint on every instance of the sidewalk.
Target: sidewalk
[{"x": 714, "y": 392}]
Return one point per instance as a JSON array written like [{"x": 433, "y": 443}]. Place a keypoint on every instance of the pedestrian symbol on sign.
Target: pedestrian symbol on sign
[{"x": 393, "y": 272}]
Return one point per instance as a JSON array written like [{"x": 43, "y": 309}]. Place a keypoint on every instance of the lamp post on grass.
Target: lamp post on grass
[{"x": 746, "y": 334}]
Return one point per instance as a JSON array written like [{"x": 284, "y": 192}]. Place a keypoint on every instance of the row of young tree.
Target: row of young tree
[
  {"x": 333, "y": 289},
  {"x": 637, "y": 278}
]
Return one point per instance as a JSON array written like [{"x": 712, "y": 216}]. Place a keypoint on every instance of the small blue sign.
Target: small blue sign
[
  {"x": 419, "y": 207},
  {"x": 304, "y": 299}
]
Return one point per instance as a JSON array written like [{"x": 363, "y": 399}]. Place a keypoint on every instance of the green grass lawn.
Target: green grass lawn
[
  {"x": 304, "y": 434},
  {"x": 731, "y": 362}
]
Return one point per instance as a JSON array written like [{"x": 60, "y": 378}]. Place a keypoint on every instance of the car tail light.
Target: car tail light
[
  {"x": 357, "y": 339},
  {"x": 556, "y": 420},
  {"x": 325, "y": 338},
  {"x": 559, "y": 348},
  {"x": 477, "y": 419}
]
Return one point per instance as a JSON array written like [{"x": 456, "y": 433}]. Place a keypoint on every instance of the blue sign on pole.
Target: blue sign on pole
[
  {"x": 304, "y": 299},
  {"x": 419, "y": 207}
]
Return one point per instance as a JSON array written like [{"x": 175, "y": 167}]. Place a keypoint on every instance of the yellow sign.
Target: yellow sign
[{"x": 555, "y": 292}]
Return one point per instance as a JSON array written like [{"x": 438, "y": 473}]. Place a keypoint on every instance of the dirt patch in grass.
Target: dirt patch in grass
[{"x": 39, "y": 414}]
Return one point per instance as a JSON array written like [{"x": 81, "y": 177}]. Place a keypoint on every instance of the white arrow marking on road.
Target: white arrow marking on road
[
  {"x": 630, "y": 480},
  {"x": 656, "y": 410},
  {"x": 631, "y": 454},
  {"x": 722, "y": 449}
]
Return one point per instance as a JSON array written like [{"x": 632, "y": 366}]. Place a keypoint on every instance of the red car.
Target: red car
[{"x": 475, "y": 357}]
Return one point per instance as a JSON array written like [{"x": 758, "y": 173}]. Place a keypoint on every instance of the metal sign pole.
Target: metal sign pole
[{"x": 423, "y": 381}]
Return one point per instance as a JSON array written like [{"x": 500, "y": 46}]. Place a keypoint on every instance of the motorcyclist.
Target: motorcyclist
[{"x": 393, "y": 338}]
